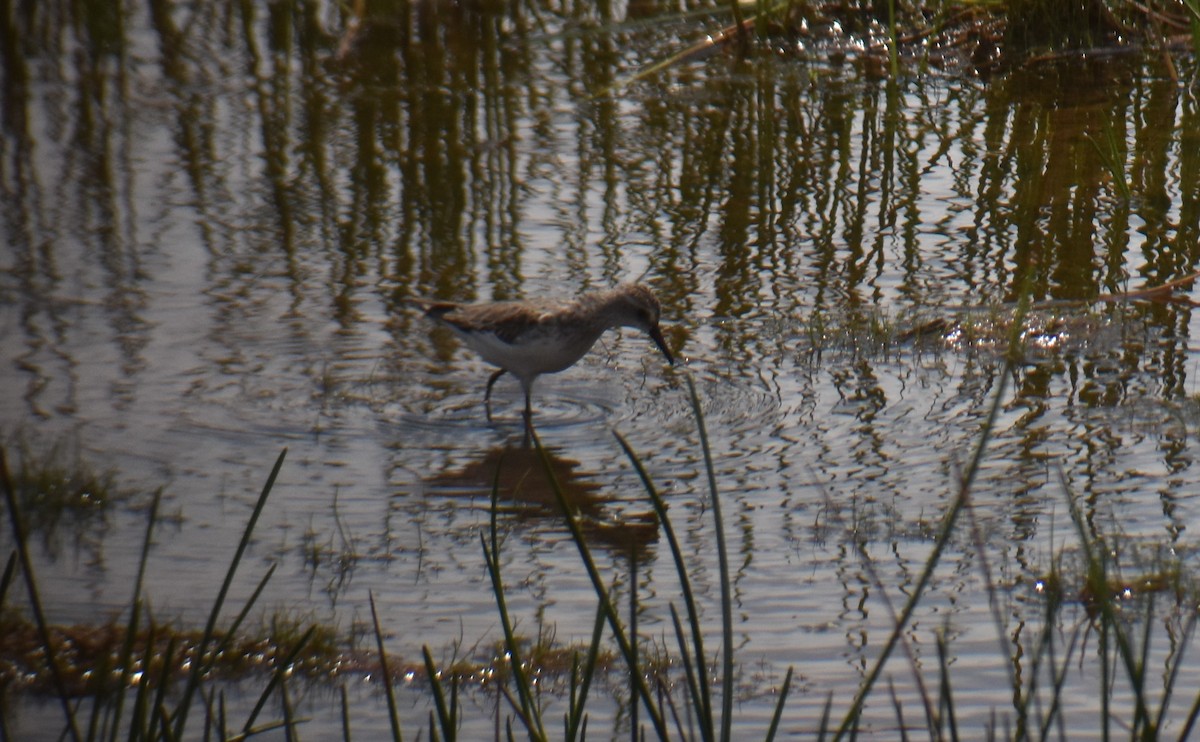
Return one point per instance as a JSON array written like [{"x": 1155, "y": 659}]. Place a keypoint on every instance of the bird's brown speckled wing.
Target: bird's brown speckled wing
[{"x": 507, "y": 320}]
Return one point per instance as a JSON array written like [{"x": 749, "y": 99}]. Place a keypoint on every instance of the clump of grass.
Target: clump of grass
[
  {"x": 54, "y": 486},
  {"x": 129, "y": 690}
]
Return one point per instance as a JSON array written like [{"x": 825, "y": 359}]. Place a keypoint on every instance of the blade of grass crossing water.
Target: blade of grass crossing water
[
  {"x": 826, "y": 716},
  {"x": 868, "y": 565},
  {"x": 701, "y": 694},
  {"x": 723, "y": 570},
  {"x": 581, "y": 682},
  {"x": 528, "y": 709},
  {"x": 135, "y": 612},
  {"x": 289, "y": 719},
  {"x": 386, "y": 675},
  {"x": 158, "y": 723},
  {"x": 689, "y": 674},
  {"x": 137, "y": 721},
  {"x": 345, "y": 701},
  {"x": 1058, "y": 672},
  {"x": 778, "y": 715},
  {"x": 445, "y": 715},
  {"x": 589, "y": 564},
  {"x": 10, "y": 569},
  {"x": 210, "y": 713},
  {"x": 1143, "y": 661},
  {"x": 277, "y": 678},
  {"x": 35, "y": 602},
  {"x": 199, "y": 666},
  {"x": 1190, "y": 722},
  {"x": 1096, "y": 551},
  {"x": 635, "y": 670},
  {"x": 231, "y": 632},
  {"x": 945, "y": 696},
  {"x": 900, "y": 713},
  {"x": 1185, "y": 640},
  {"x": 850, "y": 723}
]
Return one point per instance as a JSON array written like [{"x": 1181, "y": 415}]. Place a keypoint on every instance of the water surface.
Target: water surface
[{"x": 211, "y": 221}]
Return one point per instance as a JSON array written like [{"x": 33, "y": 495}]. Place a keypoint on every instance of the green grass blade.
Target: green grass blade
[
  {"x": 850, "y": 723},
  {"x": 576, "y": 718},
  {"x": 199, "y": 666},
  {"x": 289, "y": 718},
  {"x": 778, "y": 715},
  {"x": 606, "y": 605},
  {"x": 723, "y": 570},
  {"x": 389, "y": 691},
  {"x": 635, "y": 669},
  {"x": 135, "y": 610},
  {"x": 10, "y": 569},
  {"x": 694, "y": 683},
  {"x": 345, "y": 700},
  {"x": 826, "y": 716},
  {"x": 946, "y": 697},
  {"x": 230, "y": 634},
  {"x": 138, "y": 725},
  {"x": 35, "y": 602},
  {"x": 701, "y": 694},
  {"x": 277, "y": 678},
  {"x": 1186, "y": 636},
  {"x": 491, "y": 553},
  {"x": 1190, "y": 722},
  {"x": 900, "y": 725},
  {"x": 158, "y": 724},
  {"x": 445, "y": 718}
]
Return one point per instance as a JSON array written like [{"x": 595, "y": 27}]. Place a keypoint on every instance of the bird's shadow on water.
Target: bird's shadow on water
[{"x": 524, "y": 479}]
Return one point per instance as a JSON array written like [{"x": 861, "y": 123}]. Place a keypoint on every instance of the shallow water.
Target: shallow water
[{"x": 209, "y": 234}]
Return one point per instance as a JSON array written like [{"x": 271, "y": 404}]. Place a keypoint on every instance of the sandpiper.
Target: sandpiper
[{"x": 542, "y": 336}]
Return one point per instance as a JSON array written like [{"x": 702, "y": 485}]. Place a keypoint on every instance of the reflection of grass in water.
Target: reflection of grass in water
[
  {"x": 1112, "y": 581},
  {"x": 985, "y": 35}
]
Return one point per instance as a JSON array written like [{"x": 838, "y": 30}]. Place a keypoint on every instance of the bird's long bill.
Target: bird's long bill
[{"x": 657, "y": 336}]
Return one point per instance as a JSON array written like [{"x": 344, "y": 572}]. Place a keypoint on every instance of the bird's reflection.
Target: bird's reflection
[{"x": 525, "y": 491}]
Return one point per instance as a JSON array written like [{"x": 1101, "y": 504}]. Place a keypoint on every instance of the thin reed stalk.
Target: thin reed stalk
[
  {"x": 851, "y": 720},
  {"x": 385, "y": 674},
  {"x": 527, "y": 707},
  {"x": 722, "y": 569},
  {"x": 619, "y": 635},
  {"x": 200, "y": 665},
  {"x": 35, "y": 601}
]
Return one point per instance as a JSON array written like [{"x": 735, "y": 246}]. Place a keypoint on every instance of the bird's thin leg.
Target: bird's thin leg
[
  {"x": 487, "y": 395},
  {"x": 528, "y": 413}
]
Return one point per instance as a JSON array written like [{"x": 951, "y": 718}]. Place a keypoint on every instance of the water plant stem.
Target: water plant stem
[
  {"x": 723, "y": 571},
  {"x": 35, "y": 602},
  {"x": 200, "y": 665}
]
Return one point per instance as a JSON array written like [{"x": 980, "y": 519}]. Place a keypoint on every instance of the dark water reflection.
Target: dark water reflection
[{"x": 212, "y": 214}]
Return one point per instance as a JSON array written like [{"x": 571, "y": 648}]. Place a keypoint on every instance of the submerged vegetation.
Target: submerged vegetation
[{"x": 142, "y": 675}]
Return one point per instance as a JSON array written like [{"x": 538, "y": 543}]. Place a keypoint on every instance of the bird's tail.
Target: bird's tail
[{"x": 432, "y": 308}]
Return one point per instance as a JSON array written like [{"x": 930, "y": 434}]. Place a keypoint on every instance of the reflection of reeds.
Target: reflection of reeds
[{"x": 1116, "y": 588}]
